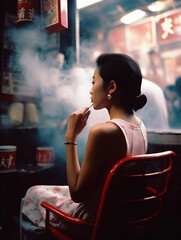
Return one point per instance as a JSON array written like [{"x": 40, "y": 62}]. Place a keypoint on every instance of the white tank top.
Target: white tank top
[
  {"x": 136, "y": 139},
  {"x": 136, "y": 136}
]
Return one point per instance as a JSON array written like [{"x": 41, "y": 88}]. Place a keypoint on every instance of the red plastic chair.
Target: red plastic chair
[{"x": 131, "y": 199}]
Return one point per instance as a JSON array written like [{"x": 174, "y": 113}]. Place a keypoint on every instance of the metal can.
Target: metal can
[
  {"x": 7, "y": 157},
  {"x": 44, "y": 156}
]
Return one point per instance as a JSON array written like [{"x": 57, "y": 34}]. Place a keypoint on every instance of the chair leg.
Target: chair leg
[{"x": 22, "y": 237}]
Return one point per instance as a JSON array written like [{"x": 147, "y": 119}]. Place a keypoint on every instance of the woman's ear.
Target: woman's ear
[{"x": 112, "y": 86}]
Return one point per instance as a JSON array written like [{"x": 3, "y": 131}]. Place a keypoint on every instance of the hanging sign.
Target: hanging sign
[
  {"x": 141, "y": 34},
  {"x": 54, "y": 15},
  {"x": 26, "y": 10},
  {"x": 169, "y": 27}
]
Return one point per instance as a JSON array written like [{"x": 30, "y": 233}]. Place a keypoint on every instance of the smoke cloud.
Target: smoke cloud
[{"x": 62, "y": 91}]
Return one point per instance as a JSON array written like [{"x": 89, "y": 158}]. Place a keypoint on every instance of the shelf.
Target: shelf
[
  {"x": 31, "y": 169},
  {"x": 17, "y": 98}
]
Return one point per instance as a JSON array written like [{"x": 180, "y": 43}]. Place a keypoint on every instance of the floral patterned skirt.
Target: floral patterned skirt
[{"x": 58, "y": 196}]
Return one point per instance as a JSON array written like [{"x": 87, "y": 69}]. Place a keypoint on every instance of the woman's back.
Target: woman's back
[
  {"x": 116, "y": 86},
  {"x": 119, "y": 139}
]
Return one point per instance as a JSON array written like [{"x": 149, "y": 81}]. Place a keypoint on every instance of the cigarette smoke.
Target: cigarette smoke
[{"x": 62, "y": 91}]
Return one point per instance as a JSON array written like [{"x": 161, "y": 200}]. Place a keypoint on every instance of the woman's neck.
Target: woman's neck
[{"x": 118, "y": 112}]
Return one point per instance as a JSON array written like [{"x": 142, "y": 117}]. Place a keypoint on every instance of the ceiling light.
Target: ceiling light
[
  {"x": 133, "y": 16},
  {"x": 86, "y": 3},
  {"x": 157, "y": 6}
]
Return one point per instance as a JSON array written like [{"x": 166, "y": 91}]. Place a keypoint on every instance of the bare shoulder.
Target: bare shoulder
[
  {"x": 105, "y": 129},
  {"x": 108, "y": 139}
]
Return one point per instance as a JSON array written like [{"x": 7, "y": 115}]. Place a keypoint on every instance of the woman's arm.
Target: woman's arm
[
  {"x": 100, "y": 154},
  {"x": 77, "y": 121},
  {"x": 82, "y": 181}
]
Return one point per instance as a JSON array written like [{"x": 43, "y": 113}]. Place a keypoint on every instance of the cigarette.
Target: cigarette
[{"x": 90, "y": 106}]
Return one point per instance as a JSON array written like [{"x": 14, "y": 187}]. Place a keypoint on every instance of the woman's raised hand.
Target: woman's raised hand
[{"x": 77, "y": 121}]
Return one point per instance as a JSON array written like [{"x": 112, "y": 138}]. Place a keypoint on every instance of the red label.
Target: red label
[
  {"x": 7, "y": 160},
  {"x": 26, "y": 11},
  {"x": 44, "y": 156}
]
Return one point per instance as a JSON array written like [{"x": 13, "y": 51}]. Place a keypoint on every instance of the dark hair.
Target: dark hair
[
  {"x": 169, "y": 88},
  {"x": 178, "y": 85},
  {"x": 126, "y": 73}
]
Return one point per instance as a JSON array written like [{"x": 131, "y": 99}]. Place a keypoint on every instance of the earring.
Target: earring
[{"x": 109, "y": 96}]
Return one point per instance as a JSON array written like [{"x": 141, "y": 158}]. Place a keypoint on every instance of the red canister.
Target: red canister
[
  {"x": 7, "y": 157},
  {"x": 26, "y": 10},
  {"x": 44, "y": 156}
]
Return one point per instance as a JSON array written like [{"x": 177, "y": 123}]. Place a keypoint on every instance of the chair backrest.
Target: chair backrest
[{"x": 133, "y": 191}]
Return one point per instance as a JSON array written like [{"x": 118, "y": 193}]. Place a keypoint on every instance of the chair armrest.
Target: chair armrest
[
  {"x": 154, "y": 191},
  {"x": 64, "y": 215}
]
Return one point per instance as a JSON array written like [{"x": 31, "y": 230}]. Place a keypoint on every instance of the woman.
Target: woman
[{"x": 116, "y": 85}]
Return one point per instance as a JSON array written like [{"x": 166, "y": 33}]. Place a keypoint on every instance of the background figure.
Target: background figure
[
  {"x": 154, "y": 114},
  {"x": 177, "y": 104},
  {"x": 170, "y": 96}
]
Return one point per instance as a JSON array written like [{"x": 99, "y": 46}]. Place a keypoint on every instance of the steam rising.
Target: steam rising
[
  {"x": 59, "y": 88},
  {"x": 40, "y": 70},
  {"x": 62, "y": 91}
]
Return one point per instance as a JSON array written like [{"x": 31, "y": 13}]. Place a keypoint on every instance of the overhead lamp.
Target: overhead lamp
[
  {"x": 157, "y": 6},
  {"x": 86, "y": 3},
  {"x": 133, "y": 16}
]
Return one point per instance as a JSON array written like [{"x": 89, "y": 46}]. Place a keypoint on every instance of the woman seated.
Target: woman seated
[{"x": 116, "y": 85}]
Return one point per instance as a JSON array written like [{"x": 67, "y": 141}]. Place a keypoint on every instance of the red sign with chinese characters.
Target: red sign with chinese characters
[
  {"x": 26, "y": 10},
  {"x": 169, "y": 27},
  {"x": 141, "y": 34}
]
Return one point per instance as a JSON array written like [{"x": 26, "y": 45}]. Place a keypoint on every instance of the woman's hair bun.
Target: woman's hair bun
[{"x": 139, "y": 102}]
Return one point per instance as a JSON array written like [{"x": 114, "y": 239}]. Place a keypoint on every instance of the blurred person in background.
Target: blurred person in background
[
  {"x": 170, "y": 96},
  {"x": 177, "y": 104},
  {"x": 154, "y": 114}
]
